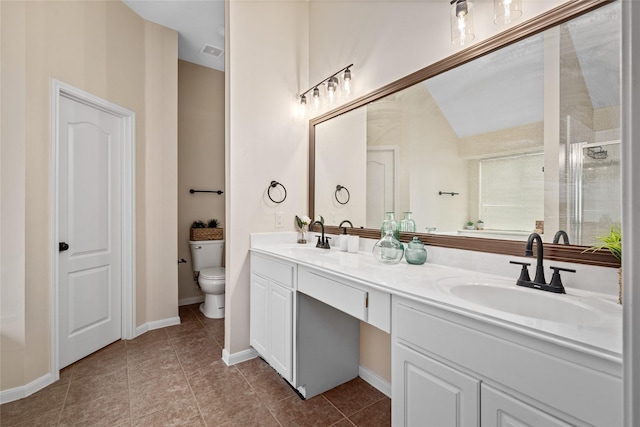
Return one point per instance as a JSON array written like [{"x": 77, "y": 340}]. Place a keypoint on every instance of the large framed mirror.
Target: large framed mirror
[{"x": 516, "y": 134}]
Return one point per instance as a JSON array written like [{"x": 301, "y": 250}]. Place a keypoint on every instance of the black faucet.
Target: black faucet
[
  {"x": 344, "y": 229},
  {"x": 559, "y": 234},
  {"x": 323, "y": 242},
  {"x": 528, "y": 251},
  {"x": 539, "y": 282}
]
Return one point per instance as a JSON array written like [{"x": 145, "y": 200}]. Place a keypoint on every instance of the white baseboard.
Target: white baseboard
[
  {"x": 189, "y": 301},
  {"x": 239, "y": 357},
  {"x": 157, "y": 324},
  {"x": 28, "y": 389},
  {"x": 375, "y": 380}
]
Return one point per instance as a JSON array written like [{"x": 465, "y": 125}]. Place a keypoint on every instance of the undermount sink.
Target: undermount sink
[{"x": 497, "y": 295}]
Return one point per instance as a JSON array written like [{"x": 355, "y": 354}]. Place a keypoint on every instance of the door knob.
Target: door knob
[{"x": 63, "y": 246}]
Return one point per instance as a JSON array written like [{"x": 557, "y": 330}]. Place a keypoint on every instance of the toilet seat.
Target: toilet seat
[{"x": 213, "y": 273}]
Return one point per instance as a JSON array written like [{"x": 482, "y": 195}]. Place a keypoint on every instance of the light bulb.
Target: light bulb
[
  {"x": 332, "y": 87},
  {"x": 462, "y": 22},
  {"x": 303, "y": 105},
  {"x": 316, "y": 98},
  {"x": 461, "y": 9},
  {"x": 462, "y": 26},
  {"x": 347, "y": 82}
]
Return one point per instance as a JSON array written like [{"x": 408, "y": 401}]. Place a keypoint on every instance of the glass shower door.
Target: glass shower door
[{"x": 594, "y": 199}]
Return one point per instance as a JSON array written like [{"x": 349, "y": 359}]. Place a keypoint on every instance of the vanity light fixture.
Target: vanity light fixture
[
  {"x": 346, "y": 81},
  {"x": 316, "y": 98},
  {"x": 506, "y": 11},
  {"x": 461, "y": 22},
  {"x": 333, "y": 88},
  {"x": 303, "y": 104}
]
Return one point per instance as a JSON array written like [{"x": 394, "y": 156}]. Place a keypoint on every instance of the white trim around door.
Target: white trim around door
[{"x": 59, "y": 90}]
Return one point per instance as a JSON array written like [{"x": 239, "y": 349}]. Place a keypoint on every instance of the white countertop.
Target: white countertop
[{"x": 598, "y": 333}]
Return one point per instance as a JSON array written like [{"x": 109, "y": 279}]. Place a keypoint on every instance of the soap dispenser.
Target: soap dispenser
[{"x": 343, "y": 239}]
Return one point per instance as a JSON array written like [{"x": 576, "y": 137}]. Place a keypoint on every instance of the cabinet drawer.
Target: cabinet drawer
[
  {"x": 348, "y": 299},
  {"x": 278, "y": 271}
]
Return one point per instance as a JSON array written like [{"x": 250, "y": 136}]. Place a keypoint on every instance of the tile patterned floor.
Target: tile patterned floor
[{"x": 175, "y": 377}]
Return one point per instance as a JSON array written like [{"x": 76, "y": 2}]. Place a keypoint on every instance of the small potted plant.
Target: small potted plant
[
  {"x": 210, "y": 230},
  {"x": 480, "y": 224},
  {"x": 612, "y": 241},
  {"x": 470, "y": 226}
]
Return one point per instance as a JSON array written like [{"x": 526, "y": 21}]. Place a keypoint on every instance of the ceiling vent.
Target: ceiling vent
[{"x": 212, "y": 50}]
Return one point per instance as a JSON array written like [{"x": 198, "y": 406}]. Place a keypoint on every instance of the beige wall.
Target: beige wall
[
  {"x": 266, "y": 66},
  {"x": 346, "y": 136},
  {"x": 104, "y": 48},
  {"x": 13, "y": 200},
  {"x": 200, "y": 158},
  {"x": 159, "y": 290}
]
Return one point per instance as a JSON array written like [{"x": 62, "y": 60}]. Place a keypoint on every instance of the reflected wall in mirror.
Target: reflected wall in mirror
[{"x": 526, "y": 137}]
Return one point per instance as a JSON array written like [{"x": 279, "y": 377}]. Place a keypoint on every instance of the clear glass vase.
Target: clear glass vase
[
  {"x": 390, "y": 225},
  {"x": 302, "y": 235},
  {"x": 388, "y": 250},
  {"x": 408, "y": 223}
]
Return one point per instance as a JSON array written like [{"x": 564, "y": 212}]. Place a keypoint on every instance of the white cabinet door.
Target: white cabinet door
[
  {"x": 501, "y": 410},
  {"x": 271, "y": 312},
  {"x": 280, "y": 324},
  {"x": 258, "y": 323},
  {"x": 429, "y": 393}
]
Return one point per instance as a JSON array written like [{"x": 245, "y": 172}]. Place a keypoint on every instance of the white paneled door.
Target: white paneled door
[
  {"x": 381, "y": 184},
  {"x": 89, "y": 229}
]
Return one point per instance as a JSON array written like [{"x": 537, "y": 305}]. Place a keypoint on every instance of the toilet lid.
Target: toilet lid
[{"x": 212, "y": 273}]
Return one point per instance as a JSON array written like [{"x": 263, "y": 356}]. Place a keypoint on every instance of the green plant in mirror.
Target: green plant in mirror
[
  {"x": 612, "y": 242},
  {"x": 213, "y": 223}
]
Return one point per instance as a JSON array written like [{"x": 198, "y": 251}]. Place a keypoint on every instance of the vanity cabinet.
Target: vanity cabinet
[
  {"x": 305, "y": 322},
  {"x": 272, "y": 292},
  {"x": 432, "y": 391},
  {"x": 452, "y": 368}
]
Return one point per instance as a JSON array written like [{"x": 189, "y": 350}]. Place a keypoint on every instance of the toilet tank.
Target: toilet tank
[{"x": 206, "y": 253}]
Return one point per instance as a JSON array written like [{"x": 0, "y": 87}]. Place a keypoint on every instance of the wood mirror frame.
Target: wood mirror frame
[{"x": 557, "y": 252}]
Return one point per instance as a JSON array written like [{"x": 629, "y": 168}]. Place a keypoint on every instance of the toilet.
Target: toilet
[{"x": 206, "y": 259}]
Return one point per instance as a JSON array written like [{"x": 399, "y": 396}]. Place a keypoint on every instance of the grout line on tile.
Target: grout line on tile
[
  {"x": 366, "y": 407},
  {"x": 66, "y": 394},
  {"x": 186, "y": 377},
  {"x": 370, "y": 405},
  {"x": 348, "y": 420},
  {"x": 261, "y": 400},
  {"x": 336, "y": 408},
  {"x": 274, "y": 415}
]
